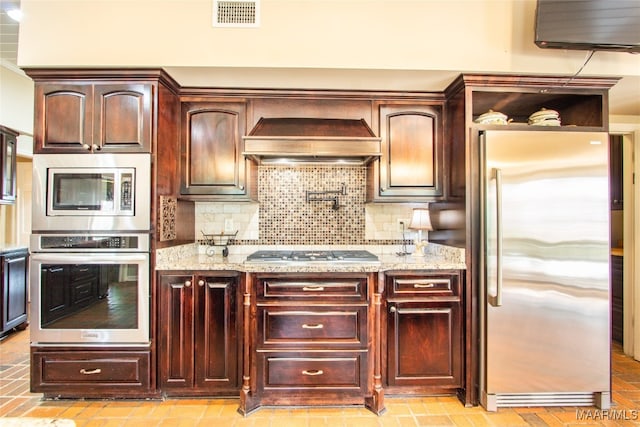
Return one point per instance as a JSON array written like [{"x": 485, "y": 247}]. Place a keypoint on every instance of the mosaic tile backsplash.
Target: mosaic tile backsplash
[
  {"x": 283, "y": 216},
  {"x": 311, "y": 204}
]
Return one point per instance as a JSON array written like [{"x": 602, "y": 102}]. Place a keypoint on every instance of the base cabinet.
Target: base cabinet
[
  {"x": 198, "y": 338},
  {"x": 62, "y": 372},
  {"x": 424, "y": 332},
  {"x": 13, "y": 289}
]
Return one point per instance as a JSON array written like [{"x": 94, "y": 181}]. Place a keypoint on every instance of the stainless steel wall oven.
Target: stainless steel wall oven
[{"x": 90, "y": 288}]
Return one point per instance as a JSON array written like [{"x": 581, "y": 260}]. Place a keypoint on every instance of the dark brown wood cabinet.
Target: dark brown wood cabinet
[
  {"x": 73, "y": 372},
  {"x": 617, "y": 298},
  {"x": 424, "y": 338},
  {"x": 14, "y": 266},
  {"x": 212, "y": 164},
  {"x": 313, "y": 340},
  {"x": 411, "y": 167},
  {"x": 93, "y": 117},
  {"x": 616, "y": 163},
  {"x": 8, "y": 156},
  {"x": 198, "y": 334}
]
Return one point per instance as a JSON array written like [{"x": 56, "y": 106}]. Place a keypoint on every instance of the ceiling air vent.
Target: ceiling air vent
[{"x": 239, "y": 13}]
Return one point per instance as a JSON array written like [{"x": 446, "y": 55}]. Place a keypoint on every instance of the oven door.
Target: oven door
[{"x": 89, "y": 298}]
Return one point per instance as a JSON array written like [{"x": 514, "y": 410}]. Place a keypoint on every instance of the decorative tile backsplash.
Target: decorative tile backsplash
[
  {"x": 330, "y": 217},
  {"x": 283, "y": 215}
]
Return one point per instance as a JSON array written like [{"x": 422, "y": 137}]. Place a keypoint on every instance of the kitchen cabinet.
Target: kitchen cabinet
[
  {"x": 13, "y": 289},
  {"x": 8, "y": 156},
  {"x": 424, "y": 338},
  {"x": 313, "y": 340},
  {"x": 617, "y": 298},
  {"x": 198, "y": 334},
  {"x": 92, "y": 117},
  {"x": 74, "y": 372},
  {"x": 213, "y": 166},
  {"x": 616, "y": 186},
  {"x": 411, "y": 167}
]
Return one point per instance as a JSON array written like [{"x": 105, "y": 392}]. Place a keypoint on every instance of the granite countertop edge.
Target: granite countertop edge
[{"x": 191, "y": 258}]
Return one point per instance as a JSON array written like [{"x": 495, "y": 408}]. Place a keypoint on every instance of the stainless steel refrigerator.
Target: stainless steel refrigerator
[{"x": 545, "y": 317}]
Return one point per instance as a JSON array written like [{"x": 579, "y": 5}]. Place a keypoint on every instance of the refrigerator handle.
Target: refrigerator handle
[{"x": 496, "y": 300}]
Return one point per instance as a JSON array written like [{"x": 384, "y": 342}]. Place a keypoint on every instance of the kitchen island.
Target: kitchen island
[{"x": 312, "y": 333}]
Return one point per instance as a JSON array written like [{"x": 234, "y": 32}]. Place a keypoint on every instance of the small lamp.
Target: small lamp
[{"x": 420, "y": 221}]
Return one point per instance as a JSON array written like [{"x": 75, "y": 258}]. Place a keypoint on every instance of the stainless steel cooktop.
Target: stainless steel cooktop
[{"x": 312, "y": 256}]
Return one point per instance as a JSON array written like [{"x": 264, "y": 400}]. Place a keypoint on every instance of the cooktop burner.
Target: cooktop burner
[{"x": 312, "y": 255}]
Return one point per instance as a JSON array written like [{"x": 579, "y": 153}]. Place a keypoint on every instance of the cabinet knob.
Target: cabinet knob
[
  {"x": 187, "y": 284},
  {"x": 200, "y": 282},
  {"x": 392, "y": 309},
  {"x": 96, "y": 147},
  {"x": 241, "y": 187},
  {"x": 86, "y": 146}
]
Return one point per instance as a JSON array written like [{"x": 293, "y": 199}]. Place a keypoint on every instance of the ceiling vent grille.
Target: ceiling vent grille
[{"x": 238, "y": 13}]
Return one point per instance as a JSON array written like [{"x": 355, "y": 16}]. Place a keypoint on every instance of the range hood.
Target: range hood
[{"x": 303, "y": 140}]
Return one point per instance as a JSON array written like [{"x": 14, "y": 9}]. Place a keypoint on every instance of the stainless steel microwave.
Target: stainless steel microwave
[{"x": 85, "y": 192}]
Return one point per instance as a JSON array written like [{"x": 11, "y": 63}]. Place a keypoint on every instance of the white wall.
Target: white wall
[
  {"x": 444, "y": 37},
  {"x": 16, "y": 106}
]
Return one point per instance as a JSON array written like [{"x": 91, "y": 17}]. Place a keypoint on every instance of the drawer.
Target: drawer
[
  {"x": 425, "y": 285},
  {"x": 74, "y": 373},
  {"x": 342, "y": 325},
  {"x": 308, "y": 371},
  {"x": 352, "y": 289}
]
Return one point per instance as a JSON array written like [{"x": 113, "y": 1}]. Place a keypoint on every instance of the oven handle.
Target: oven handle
[{"x": 88, "y": 258}]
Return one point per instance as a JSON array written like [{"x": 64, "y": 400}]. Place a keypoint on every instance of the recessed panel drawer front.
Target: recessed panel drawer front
[
  {"x": 334, "y": 371},
  {"x": 425, "y": 285},
  {"x": 352, "y": 289},
  {"x": 313, "y": 325}
]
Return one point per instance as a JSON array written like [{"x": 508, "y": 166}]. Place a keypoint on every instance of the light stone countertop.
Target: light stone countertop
[{"x": 193, "y": 257}]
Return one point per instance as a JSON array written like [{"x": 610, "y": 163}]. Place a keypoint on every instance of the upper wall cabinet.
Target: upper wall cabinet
[
  {"x": 8, "y": 147},
  {"x": 213, "y": 166},
  {"x": 412, "y": 161},
  {"x": 93, "y": 117}
]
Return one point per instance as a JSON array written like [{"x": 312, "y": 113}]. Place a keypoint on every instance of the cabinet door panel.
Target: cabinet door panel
[
  {"x": 424, "y": 344},
  {"x": 216, "y": 333},
  {"x": 411, "y": 150},
  {"x": 176, "y": 331},
  {"x": 15, "y": 291},
  {"x": 8, "y": 156},
  {"x": 212, "y": 160},
  {"x": 63, "y": 117},
  {"x": 123, "y": 119}
]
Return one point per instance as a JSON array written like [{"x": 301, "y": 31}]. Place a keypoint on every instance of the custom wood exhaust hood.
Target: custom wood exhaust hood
[{"x": 301, "y": 140}]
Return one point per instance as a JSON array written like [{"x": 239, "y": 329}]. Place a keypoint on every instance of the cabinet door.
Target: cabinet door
[
  {"x": 212, "y": 160},
  {"x": 175, "y": 331},
  {"x": 216, "y": 334},
  {"x": 424, "y": 344},
  {"x": 63, "y": 117},
  {"x": 8, "y": 168},
  {"x": 122, "y": 117},
  {"x": 14, "y": 294},
  {"x": 411, "y": 164},
  {"x": 615, "y": 172}
]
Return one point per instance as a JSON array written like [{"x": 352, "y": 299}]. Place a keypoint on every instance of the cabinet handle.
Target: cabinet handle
[
  {"x": 90, "y": 371},
  {"x": 96, "y": 147},
  {"x": 392, "y": 309},
  {"x": 313, "y": 288},
  {"x": 200, "y": 282},
  {"x": 187, "y": 284},
  {"x": 313, "y": 326},
  {"x": 86, "y": 146},
  {"x": 313, "y": 372},
  {"x": 424, "y": 285}
]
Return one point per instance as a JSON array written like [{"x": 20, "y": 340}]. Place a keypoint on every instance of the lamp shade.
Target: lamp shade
[{"x": 421, "y": 219}]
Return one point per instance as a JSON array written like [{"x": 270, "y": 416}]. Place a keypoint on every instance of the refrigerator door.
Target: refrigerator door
[{"x": 546, "y": 248}]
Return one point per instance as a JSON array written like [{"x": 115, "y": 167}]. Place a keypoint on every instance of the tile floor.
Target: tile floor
[{"x": 17, "y": 401}]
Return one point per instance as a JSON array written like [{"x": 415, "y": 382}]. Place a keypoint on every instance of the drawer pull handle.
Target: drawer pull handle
[
  {"x": 313, "y": 288},
  {"x": 421, "y": 285},
  {"x": 90, "y": 371},
  {"x": 313, "y": 372},
  {"x": 313, "y": 326}
]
